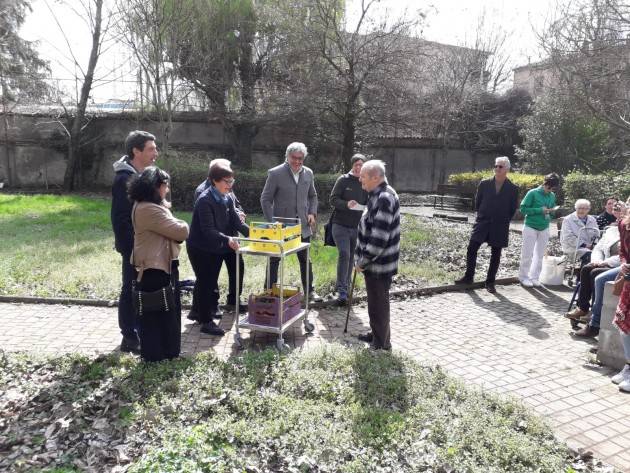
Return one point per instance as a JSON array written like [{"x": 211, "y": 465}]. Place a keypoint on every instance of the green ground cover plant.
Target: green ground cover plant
[
  {"x": 325, "y": 409},
  {"x": 62, "y": 246}
]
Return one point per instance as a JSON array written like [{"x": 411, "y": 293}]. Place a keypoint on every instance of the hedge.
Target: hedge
[
  {"x": 524, "y": 182},
  {"x": 187, "y": 174},
  {"x": 596, "y": 187}
]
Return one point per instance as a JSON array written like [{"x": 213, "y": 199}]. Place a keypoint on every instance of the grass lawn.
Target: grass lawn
[
  {"x": 62, "y": 246},
  {"x": 325, "y": 409}
]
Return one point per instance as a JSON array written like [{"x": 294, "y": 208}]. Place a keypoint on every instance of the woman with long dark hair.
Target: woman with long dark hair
[{"x": 157, "y": 238}]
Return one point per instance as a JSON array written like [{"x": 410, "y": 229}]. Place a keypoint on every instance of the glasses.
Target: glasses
[
  {"x": 229, "y": 182},
  {"x": 498, "y": 166},
  {"x": 296, "y": 158}
]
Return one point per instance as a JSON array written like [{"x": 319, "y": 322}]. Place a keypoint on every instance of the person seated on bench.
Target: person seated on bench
[
  {"x": 604, "y": 259},
  {"x": 579, "y": 232},
  {"x": 607, "y": 217}
]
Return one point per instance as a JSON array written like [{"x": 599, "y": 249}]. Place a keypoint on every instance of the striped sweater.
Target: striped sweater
[{"x": 379, "y": 234}]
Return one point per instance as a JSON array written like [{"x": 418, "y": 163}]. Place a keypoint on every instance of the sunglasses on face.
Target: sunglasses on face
[{"x": 229, "y": 182}]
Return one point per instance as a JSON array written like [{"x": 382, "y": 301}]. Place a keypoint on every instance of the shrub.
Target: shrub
[
  {"x": 524, "y": 182},
  {"x": 187, "y": 174},
  {"x": 596, "y": 187}
]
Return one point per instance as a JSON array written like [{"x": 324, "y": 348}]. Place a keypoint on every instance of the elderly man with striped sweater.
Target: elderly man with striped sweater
[{"x": 377, "y": 251}]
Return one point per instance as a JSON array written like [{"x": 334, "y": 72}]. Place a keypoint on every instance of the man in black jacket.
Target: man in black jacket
[
  {"x": 141, "y": 153},
  {"x": 496, "y": 202}
]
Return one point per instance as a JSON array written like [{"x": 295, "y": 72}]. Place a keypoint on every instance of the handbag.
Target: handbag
[
  {"x": 618, "y": 284},
  {"x": 328, "y": 235},
  {"x": 162, "y": 300}
]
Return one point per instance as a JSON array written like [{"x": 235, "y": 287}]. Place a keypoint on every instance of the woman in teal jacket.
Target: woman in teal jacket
[{"x": 537, "y": 207}]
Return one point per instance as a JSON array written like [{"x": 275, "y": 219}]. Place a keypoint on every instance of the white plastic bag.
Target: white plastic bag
[{"x": 552, "y": 273}]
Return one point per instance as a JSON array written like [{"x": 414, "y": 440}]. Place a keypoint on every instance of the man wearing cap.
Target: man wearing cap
[
  {"x": 289, "y": 192},
  {"x": 496, "y": 202}
]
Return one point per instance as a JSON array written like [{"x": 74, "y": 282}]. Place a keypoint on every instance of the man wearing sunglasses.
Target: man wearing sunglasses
[{"x": 496, "y": 202}]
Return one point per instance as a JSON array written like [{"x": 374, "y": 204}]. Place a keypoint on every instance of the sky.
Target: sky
[{"x": 447, "y": 21}]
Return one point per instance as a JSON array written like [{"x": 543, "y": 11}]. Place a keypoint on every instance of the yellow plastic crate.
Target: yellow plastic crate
[
  {"x": 289, "y": 233},
  {"x": 288, "y": 291}
]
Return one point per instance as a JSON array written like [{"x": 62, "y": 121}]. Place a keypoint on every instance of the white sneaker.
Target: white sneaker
[
  {"x": 527, "y": 282},
  {"x": 625, "y": 386},
  {"x": 536, "y": 283},
  {"x": 623, "y": 375}
]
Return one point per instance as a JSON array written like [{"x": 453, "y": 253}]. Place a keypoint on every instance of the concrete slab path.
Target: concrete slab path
[{"x": 515, "y": 342}]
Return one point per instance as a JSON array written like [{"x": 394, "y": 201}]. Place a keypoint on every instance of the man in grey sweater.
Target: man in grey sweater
[{"x": 289, "y": 192}]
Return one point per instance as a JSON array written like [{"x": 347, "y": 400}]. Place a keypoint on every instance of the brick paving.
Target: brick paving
[{"x": 515, "y": 342}]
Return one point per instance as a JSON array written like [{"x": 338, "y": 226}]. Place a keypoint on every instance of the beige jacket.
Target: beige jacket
[{"x": 157, "y": 236}]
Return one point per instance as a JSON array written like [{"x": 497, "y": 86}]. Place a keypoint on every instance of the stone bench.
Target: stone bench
[{"x": 609, "y": 351}]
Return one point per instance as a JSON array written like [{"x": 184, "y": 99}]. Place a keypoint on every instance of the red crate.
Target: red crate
[{"x": 264, "y": 308}]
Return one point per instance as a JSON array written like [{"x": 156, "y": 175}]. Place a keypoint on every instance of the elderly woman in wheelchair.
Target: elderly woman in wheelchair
[{"x": 579, "y": 233}]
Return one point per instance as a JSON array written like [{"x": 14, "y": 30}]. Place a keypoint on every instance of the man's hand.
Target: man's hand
[
  {"x": 625, "y": 268},
  {"x": 358, "y": 269},
  {"x": 233, "y": 243},
  {"x": 352, "y": 204},
  {"x": 241, "y": 215},
  {"x": 311, "y": 220}
]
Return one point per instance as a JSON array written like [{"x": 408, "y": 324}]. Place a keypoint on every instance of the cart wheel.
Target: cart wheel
[
  {"x": 281, "y": 346},
  {"x": 308, "y": 326},
  {"x": 239, "y": 341},
  {"x": 575, "y": 325}
]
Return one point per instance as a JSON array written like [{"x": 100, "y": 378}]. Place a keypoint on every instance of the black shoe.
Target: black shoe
[
  {"x": 366, "y": 337},
  {"x": 212, "y": 329},
  {"x": 464, "y": 280},
  {"x": 130, "y": 345},
  {"x": 341, "y": 302},
  {"x": 193, "y": 315},
  {"x": 490, "y": 287}
]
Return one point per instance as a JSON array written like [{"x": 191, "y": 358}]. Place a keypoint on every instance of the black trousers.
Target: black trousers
[
  {"x": 471, "y": 260},
  {"x": 588, "y": 273},
  {"x": 231, "y": 296},
  {"x": 275, "y": 262},
  {"x": 378, "y": 310},
  {"x": 127, "y": 320},
  {"x": 207, "y": 267},
  {"x": 160, "y": 332}
]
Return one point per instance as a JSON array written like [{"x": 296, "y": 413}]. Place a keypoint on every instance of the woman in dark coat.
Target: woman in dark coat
[
  {"x": 496, "y": 202},
  {"x": 214, "y": 225}
]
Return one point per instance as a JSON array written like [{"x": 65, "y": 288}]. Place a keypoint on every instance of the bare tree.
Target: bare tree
[
  {"x": 76, "y": 118},
  {"x": 589, "y": 53},
  {"x": 361, "y": 75},
  {"x": 150, "y": 28}
]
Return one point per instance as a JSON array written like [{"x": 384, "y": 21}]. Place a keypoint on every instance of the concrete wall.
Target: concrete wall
[
  {"x": 413, "y": 167},
  {"x": 35, "y": 155}
]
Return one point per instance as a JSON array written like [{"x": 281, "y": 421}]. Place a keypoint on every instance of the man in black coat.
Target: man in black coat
[
  {"x": 496, "y": 202},
  {"x": 141, "y": 153}
]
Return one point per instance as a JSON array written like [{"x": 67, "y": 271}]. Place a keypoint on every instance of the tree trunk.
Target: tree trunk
[
  {"x": 347, "y": 150},
  {"x": 75, "y": 129},
  {"x": 242, "y": 140}
]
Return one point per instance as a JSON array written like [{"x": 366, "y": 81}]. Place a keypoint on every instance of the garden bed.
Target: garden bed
[{"x": 326, "y": 409}]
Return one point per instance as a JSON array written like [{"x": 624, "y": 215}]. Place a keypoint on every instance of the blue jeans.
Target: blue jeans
[
  {"x": 346, "y": 241},
  {"x": 600, "y": 282},
  {"x": 625, "y": 341}
]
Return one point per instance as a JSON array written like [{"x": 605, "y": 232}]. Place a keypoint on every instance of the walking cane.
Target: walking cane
[{"x": 354, "y": 278}]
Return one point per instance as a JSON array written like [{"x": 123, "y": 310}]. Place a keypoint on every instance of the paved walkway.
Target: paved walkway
[{"x": 514, "y": 342}]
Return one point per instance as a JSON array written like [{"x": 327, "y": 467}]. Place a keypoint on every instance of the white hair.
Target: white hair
[
  {"x": 503, "y": 159},
  {"x": 296, "y": 147},
  {"x": 582, "y": 203},
  {"x": 224, "y": 163},
  {"x": 374, "y": 167}
]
